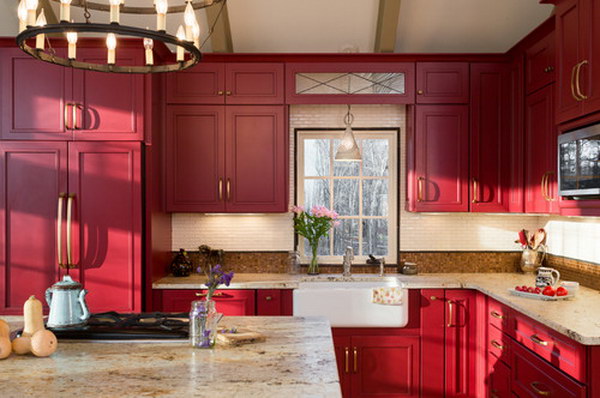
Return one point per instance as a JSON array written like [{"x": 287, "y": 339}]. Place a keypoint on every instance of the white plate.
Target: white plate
[{"x": 539, "y": 296}]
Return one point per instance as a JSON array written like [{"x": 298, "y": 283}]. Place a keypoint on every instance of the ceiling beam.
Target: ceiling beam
[
  {"x": 387, "y": 24},
  {"x": 218, "y": 19}
]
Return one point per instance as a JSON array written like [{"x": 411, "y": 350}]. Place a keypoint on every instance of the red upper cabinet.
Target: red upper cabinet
[
  {"x": 36, "y": 98},
  {"x": 540, "y": 167},
  {"x": 256, "y": 159},
  {"x": 350, "y": 83},
  {"x": 41, "y": 101},
  {"x": 492, "y": 139},
  {"x": 590, "y": 70},
  {"x": 231, "y": 83},
  {"x": 539, "y": 64},
  {"x": 105, "y": 183},
  {"x": 32, "y": 177},
  {"x": 226, "y": 159},
  {"x": 442, "y": 83},
  {"x": 441, "y": 158}
]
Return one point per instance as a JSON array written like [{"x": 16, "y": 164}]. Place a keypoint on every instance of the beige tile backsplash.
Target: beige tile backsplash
[{"x": 568, "y": 236}]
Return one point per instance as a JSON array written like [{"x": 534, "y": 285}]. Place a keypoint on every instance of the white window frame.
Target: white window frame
[{"x": 392, "y": 217}]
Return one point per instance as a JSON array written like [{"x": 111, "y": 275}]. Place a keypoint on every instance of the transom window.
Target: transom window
[{"x": 363, "y": 193}]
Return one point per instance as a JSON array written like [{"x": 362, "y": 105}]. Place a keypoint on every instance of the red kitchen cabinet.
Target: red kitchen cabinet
[
  {"x": 228, "y": 302},
  {"x": 226, "y": 159},
  {"x": 442, "y": 83},
  {"x": 433, "y": 327},
  {"x": 274, "y": 302},
  {"x": 32, "y": 178},
  {"x": 231, "y": 83},
  {"x": 343, "y": 351},
  {"x": 499, "y": 381},
  {"x": 540, "y": 146},
  {"x": 441, "y": 158},
  {"x": 539, "y": 64},
  {"x": 41, "y": 101},
  {"x": 492, "y": 143}
]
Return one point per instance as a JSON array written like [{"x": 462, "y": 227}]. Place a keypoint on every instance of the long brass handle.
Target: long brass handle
[
  {"x": 544, "y": 393},
  {"x": 216, "y": 294},
  {"x": 347, "y": 359},
  {"x": 66, "y": 116},
  {"x": 581, "y": 95},
  {"x": 74, "y": 110},
  {"x": 538, "y": 341},
  {"x": 61, "y": 199},
  {"x": 475, "y": 193},
  {"x": 573, "y": 93},
  {"x": 493, "y": 394},
  {"x": 450, "y": 313},
  {"x": 549, "y": 196},
  {"x": 543, "y": 186},
  {"x": 70, "y": 199},
  {"x": 355, "y": 360},
  {"x": 497, "y": 345},
  {"x": 496, "y": 315},
  {"x": 420, "y": 189},
  {"x": 220, "y": 189},
  {"x": 228, "y": 189}
]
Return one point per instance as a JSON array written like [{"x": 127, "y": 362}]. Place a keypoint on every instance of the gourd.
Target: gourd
[
  {"x": 5, "y": 346},
  {"x": 33, "y": 317},
  {"x": 35, "y": 338}
]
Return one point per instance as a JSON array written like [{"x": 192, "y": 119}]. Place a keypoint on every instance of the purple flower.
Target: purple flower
[{"x": 199, "y": 270}]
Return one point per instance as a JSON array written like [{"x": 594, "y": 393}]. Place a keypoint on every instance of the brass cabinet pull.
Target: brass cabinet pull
[
  {"x": 61, "y": 198},
  {"x": 535, "y": 386},
  {"x": 420, "y": 189},
  {"x": 66, "y": 116},
  {"x": 450, "y": 313},
  {"x": 496, "y": 315},
  {"x": 268, "y": 298},
  {"x": 220, "y": 92},
  {"x": 420, "y": 92},
  {"x": 216, "y": 294},
  {"x": 74, "y": 111},
  {"x": 355, "y": 360},
  {"x": 433, "y": 298},
  {"x": 70, "y": 199},
  {"x": 539, "y": 341},
  {"x": 543, "y": 186},
  {"x": 347, "y": 359},
  {"x": 549, "y": 195},
  {"x": 475, "y": 195},
  {"x": 228, "y": 189},
  {"x": 220, "y": 189},
  {"x": 497, "y": 345},
  {"x": 228, "y": 92},
  {"x": 573, "y": 93},
  {"x": 581, "y": 95}
]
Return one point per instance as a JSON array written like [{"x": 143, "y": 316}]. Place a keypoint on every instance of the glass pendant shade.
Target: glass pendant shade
[{"x": 348, "y": 150}]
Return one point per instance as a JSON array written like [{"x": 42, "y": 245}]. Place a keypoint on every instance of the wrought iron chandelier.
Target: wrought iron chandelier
[{"x": 33, "y": 25}]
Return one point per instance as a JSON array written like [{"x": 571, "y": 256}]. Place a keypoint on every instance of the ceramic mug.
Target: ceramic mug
[{"x": 546, "y": 277}]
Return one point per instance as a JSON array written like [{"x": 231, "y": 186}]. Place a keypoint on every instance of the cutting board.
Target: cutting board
[{"x": 242, "y": 336}]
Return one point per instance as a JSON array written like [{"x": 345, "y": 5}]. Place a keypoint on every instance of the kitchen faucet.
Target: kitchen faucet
[{"x": 347, "y": 263}]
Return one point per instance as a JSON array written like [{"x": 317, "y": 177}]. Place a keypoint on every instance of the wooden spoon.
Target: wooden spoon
[{"x": 539, "y": 238}]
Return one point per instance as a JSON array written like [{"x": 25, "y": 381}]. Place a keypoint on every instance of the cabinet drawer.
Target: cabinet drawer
[
  {"x": 534, "y": 377},
  {"x": 228, "y": 302},
  {"x": 498, "y": 344},
  {"x": 562, "y": 352},
  {"x": 499, "y": 379},
  {"x": 274, "y": 302},
  {"x": 499, "y": 316}
]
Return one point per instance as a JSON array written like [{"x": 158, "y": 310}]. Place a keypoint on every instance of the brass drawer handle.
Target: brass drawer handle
[
  {"x": 216, "y": 294},
  {"x": 220, "y": 92},
  {"x": 496, "y": 315},
  {"x": 355, "y": 360},
  {"x": 420, "y": 189},
  {"x": 420, "y": 92},
  {"x": 544, "y": 393},
  {"x": 581, "y": 95},
  {"x": 497, "y": 345},
  {"x": 475, "y": 193},
  {"x": 539, "y": 341},
  {"x": 268, "y": 298},
  {"x": 220, "y": 189},
  {"x": 573, "y": 93},
  {"x": 347, "y": 359},
  {"x": 450, "y": 313}
]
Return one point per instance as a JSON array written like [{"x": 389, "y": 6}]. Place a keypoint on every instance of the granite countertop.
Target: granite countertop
[
  {"x": 577, "y": 318},
  {"x": 297, "y": 360}
]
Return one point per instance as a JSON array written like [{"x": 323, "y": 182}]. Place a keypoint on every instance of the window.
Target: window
[{"x": 363, "y": 193}]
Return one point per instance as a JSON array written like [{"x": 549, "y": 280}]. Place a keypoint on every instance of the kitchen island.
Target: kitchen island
[{"x": 297, "y": 360}]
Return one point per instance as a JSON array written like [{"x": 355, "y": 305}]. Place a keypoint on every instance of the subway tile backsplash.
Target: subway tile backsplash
[{"x": 571, "y": 237}]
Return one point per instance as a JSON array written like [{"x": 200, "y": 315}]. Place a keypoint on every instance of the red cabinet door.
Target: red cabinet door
[
  {"x": 32, "y": 176},
  {"x": 36, "y": 98},
  {"x": 385, "y": 366},
  {"x": 442, "y": 83},
  {"x": 343, "y": 358},
  {"x": 441, "y": 158},
  {"x": 433, "y": 325},
  {"x": 256, "y": 159},
  {"x": 539, "y": 64},
  {"x": 568, "y": 48},
  {"x": 590, "y": 72},
  {"x": 460, "y": 343},
  {"x": 228, "y": 302},
  {"x": 254, "y": 83},
  {"x": 491, "y": 138},
  {"x": 540, "y": 144},
  {"x": 274, "y": 302},
  {"x": 195, "y": 165},
  {"x": 105, "y": 179},
  {"x": 110, "y": 106},
  {"x": 202, "y": 84},
  {"x": 499, "y": 380}
]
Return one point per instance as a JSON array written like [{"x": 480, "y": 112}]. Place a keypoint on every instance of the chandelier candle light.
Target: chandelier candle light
[{"x": 187, "y": 39}]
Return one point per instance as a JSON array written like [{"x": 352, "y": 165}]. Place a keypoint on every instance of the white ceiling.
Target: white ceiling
[{"x": 349, "y": 25}]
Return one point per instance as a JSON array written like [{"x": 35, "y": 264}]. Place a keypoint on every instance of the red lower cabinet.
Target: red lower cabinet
[
  {"x": 228, "y": 302},
  {"x": 499, "y": 379},
  {"x": 274, "y": 302}
]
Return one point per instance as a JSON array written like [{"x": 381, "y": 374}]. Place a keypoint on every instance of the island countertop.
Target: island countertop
[{"x": 297, "y": 360}]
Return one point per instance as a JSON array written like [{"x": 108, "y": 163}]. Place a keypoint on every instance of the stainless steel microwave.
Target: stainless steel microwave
[{"x": 579, "y": 162}]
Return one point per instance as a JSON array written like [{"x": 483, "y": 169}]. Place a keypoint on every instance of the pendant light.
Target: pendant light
[{"x": 348, "y": 150}]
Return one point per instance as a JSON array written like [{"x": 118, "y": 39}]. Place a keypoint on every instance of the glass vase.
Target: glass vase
[
  {"x": 204, "y": 319},
  {"x": 313, "y": 268}
]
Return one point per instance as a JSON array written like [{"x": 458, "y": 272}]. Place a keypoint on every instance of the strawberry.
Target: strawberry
[
  {"x": 561, "y": 291},
  {"x": 549, "y": 291}
]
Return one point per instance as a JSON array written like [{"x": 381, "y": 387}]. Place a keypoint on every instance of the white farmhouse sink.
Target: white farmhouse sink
[{"x": 348, "y": 304}]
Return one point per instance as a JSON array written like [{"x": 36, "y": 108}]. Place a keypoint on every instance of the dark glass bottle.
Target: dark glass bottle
[{"x": 181, "y": 264}]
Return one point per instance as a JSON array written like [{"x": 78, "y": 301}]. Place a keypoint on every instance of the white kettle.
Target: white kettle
[{"x": 66, "y": 300}]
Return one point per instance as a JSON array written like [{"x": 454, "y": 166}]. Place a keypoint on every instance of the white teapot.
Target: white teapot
[{"x": 66, "y": 300}]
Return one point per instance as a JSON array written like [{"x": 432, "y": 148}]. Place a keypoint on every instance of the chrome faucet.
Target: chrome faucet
[{"x": 347, "y": 263}]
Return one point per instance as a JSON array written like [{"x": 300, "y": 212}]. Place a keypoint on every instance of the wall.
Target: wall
[{"x": 571, "y": 237}]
